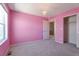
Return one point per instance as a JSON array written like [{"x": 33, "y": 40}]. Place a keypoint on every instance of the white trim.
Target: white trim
[{"x": 1, "y": 42}]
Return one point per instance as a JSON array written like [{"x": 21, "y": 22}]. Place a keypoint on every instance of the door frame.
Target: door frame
[{"x": 68, "y": 28}]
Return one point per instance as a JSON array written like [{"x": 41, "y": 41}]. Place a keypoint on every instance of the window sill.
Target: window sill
[{"x": 1, "y": 42}]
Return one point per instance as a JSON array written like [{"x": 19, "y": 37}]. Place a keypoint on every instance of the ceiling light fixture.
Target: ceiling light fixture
[{"x": 44, "y": 12}]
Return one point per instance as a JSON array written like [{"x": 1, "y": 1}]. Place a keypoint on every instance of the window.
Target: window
[{"x": 3, "y": 24}]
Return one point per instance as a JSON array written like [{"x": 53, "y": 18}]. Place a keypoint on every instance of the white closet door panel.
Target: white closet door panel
[
  {"x": 72, "y": 30},
  {"x": 72, "y": 33}
]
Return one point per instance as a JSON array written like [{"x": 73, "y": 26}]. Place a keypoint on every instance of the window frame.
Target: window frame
[{"x": 5, "y": 26}]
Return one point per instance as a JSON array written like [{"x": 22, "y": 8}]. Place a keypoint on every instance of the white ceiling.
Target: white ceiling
[{"x": 50, "y": 9}]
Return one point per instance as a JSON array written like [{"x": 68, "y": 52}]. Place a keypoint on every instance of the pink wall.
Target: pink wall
[
  {"x": 59, "y": 23},
  {"x": 25, "y": 27}
]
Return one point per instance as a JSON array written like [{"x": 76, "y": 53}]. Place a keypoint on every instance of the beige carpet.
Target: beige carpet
[{"x": 44, "y": 48}]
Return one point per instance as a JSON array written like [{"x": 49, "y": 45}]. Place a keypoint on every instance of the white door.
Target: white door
[
  {"x": 77, "y": 16},
  {"x": 45, "y": 29},
  {"x": 72, "y": 30}
]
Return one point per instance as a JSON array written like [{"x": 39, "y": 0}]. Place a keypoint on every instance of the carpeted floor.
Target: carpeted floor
[{"x": 44, "y": 48}]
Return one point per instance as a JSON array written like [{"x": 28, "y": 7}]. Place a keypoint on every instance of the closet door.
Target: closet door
[
  {"x": 72, "y": 30},
  {"x": 77, "y": 30}
]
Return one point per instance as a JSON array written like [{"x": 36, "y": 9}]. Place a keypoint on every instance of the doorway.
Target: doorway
[
  {"x": 51, "y": 30},
  {"x": 70, "y": 29}
]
